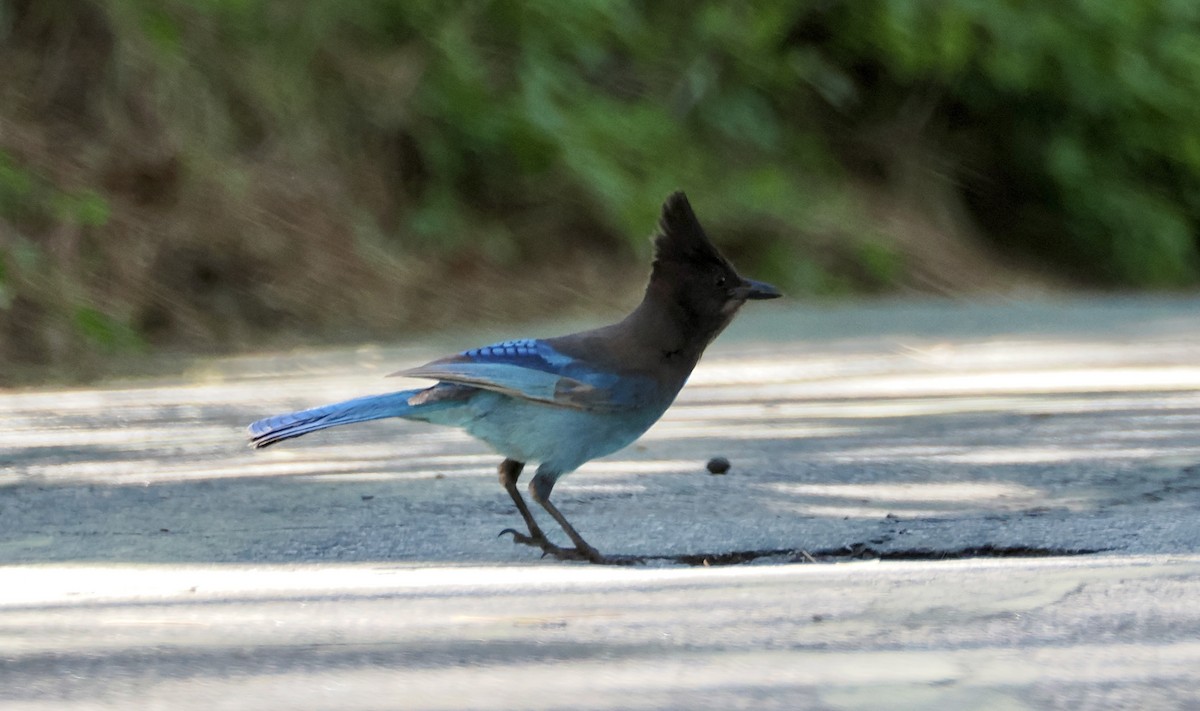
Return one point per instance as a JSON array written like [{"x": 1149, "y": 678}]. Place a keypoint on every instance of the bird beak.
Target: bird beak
[{"x": 758, "y": 290}]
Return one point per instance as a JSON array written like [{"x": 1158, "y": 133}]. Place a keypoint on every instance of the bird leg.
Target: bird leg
[
  {"x": 510, "y": 471},
  {"x": 540, "y": 489}
]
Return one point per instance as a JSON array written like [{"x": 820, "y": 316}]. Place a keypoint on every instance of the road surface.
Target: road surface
[{"x": 930, "y": 505}]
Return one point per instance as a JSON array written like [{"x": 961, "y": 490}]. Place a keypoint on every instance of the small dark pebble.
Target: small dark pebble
[
  {"x": 367, "y": 497},
  {"x": 718, "y": 465}
]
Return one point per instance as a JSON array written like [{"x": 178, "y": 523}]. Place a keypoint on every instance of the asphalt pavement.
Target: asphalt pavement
[{"x": 929, "y": 505}]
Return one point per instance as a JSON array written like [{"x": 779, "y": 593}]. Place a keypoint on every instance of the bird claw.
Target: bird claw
[
  {"x": 518, "y": 537},
  {"x": 548, "y": 548}
]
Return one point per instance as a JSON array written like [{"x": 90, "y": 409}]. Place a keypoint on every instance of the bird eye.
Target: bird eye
[{"x": 721, "y": 281}]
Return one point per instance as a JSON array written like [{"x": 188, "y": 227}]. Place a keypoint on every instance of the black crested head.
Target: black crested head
[
  {"x": 694, "y": 292},
  {"x": 680, "y": 238}
]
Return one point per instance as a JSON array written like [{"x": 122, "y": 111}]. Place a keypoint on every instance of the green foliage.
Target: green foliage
[
  {"x": 506, "y": 102},
  {"x": 30, "y": 202},
  {"x": 229, "y": 166},
  {"x": 27, "y": 197},
  {"x": 6, "y": 294},
  {"x": 16, "y": 187},
  {"x": 86, "y": 208},
  {"x": 882, "y": 263},
  {"x": 106, "y": 332},
  {"x": 1091, "y": 110}
]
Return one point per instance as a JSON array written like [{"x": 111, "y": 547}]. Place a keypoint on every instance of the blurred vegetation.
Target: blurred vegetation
[{"x": 213, "y": 174}]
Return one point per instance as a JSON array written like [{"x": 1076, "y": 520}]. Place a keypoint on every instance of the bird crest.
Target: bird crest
[{"x": 680, "y": 238}]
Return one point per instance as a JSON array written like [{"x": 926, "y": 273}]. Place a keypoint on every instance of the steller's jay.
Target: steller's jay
[{"x": 564, "y": 401}]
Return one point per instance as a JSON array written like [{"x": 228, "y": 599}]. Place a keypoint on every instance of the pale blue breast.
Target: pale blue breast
[{"x": 559, "y": 438}]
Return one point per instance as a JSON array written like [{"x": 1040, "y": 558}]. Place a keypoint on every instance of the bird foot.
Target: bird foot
[{"x": 589, "y": 554}]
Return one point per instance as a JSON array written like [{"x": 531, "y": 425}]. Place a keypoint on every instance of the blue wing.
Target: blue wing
[{"x": 531, "y": 369}]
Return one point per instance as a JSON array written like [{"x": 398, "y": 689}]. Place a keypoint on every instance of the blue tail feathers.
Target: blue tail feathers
[{"x": 372, "y": 407}]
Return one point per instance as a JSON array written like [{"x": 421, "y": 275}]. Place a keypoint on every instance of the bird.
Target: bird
[{"x": 566, "y": 400}]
